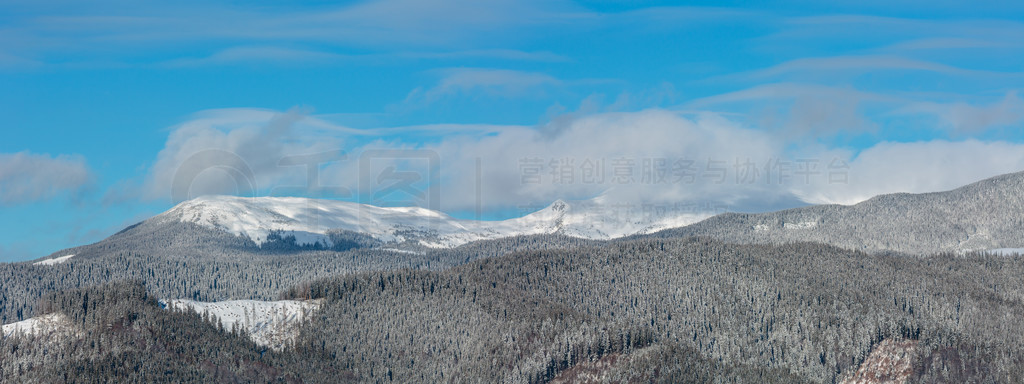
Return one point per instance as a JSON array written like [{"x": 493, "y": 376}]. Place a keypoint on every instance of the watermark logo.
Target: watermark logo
[
  {"x": 212, "y": 159},
  {"x": 402, "y": 177},
  {"x": 666, "y": 171},
  {"x": 313, "y": 187}
]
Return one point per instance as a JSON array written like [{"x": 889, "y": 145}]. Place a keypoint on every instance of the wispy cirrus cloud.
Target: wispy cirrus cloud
[
  {"x": 113, "y": 31},
  {"x": 400, "y": 22},
  {"x": 492, "y": 82},
  {"x": 859, "y": 64},
  {"x": 787, "y": 90},
  {"x": 801, "y": 109},
  {"x": 504, "y": 54},
  {"x": 966, "y": 118},
  {"x": 8, "y": 61},
  {"x": 946, "y": 43},
  {"x": 263, "y": 55},
  {"x": 816, "y": 110},
  {"x": 871, "y": 25},
  {"x": 259, "y": 55}
]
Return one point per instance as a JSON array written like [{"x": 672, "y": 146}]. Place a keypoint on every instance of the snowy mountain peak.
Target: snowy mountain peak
[{"x": 312, "y": 221}]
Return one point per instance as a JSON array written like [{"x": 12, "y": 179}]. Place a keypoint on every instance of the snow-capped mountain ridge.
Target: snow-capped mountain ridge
[{"x": 311, "y": 221}]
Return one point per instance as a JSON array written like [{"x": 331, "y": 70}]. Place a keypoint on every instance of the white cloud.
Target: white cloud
[
  {"x": 632, "y": 154},
  {"x": 238, "y": 152},
  {"x": 623, "y": 144},
  {"x": 918, "y": 167},
  {"x": 27, "y": 177},
  {"x": 651, "y": 156},
  {"x": 629, "y": 139}
]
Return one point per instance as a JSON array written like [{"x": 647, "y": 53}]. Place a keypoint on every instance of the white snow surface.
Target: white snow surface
[
  {"x": 800, "y": 225},
  {"x": 272, "y": 324},
  {"x": 309, "y": 220},
  {"x": 53, "y": 261},
  {"x": 39, "y": 325}
]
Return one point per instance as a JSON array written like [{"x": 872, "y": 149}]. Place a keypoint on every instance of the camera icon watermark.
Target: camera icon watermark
[
  {"x": 313, "y": 187},
  {"x": 401, "y": 178},
  {"x": 229, "y": 163}
]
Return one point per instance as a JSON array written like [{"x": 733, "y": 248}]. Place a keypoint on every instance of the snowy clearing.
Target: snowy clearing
[
  {"x": 54, "y": 261},
  {"x": 272, "y": 324},
  {"x": 39, "y": 325}
]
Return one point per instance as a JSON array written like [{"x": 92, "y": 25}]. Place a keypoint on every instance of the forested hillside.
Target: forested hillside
[
  {"x": 638, "y": 310},
  {"x": 652, "y": 310},
  {"x": 189, "y": 263},
  {"x": 123, "y": 336},
  {"x": 676, "y": 308}
]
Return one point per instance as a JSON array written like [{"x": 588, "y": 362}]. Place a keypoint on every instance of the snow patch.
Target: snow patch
[
  {"x": 890, "y": 362},
  {"x": 39, "y": 325},
  {"x": 800, "y": 225},
  {"x": 273, "y": 324},
  {"x": 404, "y": 251},
  {"x": 54, "y": 261}
]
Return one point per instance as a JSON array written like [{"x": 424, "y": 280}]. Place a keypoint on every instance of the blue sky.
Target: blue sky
[{"x": 104, "y": 103}]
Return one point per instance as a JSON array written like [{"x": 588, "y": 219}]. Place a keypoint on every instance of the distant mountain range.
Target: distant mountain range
[
  {"x": 985, "y": 215},
  {"x": 311, "y": 221}
]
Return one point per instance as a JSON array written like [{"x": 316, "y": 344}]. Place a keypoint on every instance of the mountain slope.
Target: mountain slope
[
  {"x": 117, "y": 333},
  {"x": 984, "y": 215},
  {"x": 312, "y": 221},
  {"x": 807, "y": 310}
]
